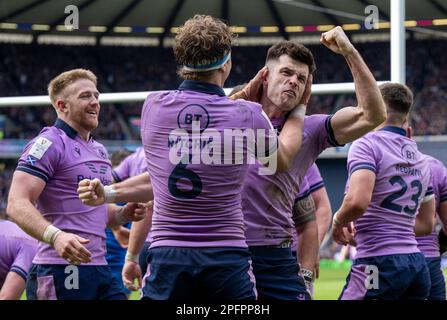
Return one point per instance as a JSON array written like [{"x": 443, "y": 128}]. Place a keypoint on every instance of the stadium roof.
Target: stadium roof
[{"x": 158, "y": 18}]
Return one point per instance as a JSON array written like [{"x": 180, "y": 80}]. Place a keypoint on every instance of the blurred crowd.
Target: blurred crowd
[{"x": 27, "y": 69}]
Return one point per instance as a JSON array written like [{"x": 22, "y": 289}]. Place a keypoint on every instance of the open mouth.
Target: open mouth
[{"x": 93, "y": 113}]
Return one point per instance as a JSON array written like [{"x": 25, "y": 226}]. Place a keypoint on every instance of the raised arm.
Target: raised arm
[{"x": 350, "y": 123}]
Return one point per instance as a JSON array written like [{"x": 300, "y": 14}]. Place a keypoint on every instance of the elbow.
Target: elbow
[
  {"x": 357, "y": 204},
  {"x": 424, "y": 228},
  {"x": 10, "y": 210}
]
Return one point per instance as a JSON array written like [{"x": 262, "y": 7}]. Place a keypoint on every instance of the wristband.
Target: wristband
[
  {"x": 109, "y": 194},
  {"x": 336, "y": 221},
  {"x": 299, "y": 112},
  {"x": 50, "y": 234},
  {"x": 132, "y": 257}
]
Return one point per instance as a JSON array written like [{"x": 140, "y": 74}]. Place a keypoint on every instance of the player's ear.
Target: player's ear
[
  {"x": 60, "y": 105},
  {"x": 265, "y": 75}
]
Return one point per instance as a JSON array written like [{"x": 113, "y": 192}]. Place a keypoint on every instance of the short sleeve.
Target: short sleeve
[
  {"x": 122, "y": 171},
  {"x": 314, "y": 178},
  {"x": 443, "y": 186},
  {"x": 24, "y": 258},
  {"x": 304, "y": 190},
  {"x": 318, "y": 134},
  {"x": 41, "y": 156},
  {"x": 361, "y": 156}
]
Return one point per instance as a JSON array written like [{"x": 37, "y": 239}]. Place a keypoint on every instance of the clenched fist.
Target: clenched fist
[{"x": 336, "y": 40}]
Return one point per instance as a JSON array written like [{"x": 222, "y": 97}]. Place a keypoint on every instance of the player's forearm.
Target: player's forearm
[
  {"x": 308, "y": 245},
  {"x": 114, "y": 220},
  {"x": 350, "y": 210},
  {"x": 135, "y": 189},
  {"x": 324, "y": 219},
  {"x": 138, "y": 234},
  {"x": 367, "y": 92},
  {"x": 289, "y": 142},
  {"x": 27, "y": 217}
]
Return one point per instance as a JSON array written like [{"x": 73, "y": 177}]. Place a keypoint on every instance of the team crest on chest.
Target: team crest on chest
[
  {"x": 102, "y": 153},
  {"x": 77, "y": 151}
]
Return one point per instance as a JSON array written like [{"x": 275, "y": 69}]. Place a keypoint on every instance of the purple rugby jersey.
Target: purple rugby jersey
[
  {"x": 61, "y": 158},
  {"x": 197, "y": 204},
  {"x": 304, "y": 192},
  {"x": 17, "y": 250},
  {"x": 314, "y": 178},
  {"x": 311, "y": 183},
  {"x": 429, "y": 244},
  {"x": 403, "y": 179},
  {"x": 267, "y": 201},
  {"x": 133, "y": 165}
]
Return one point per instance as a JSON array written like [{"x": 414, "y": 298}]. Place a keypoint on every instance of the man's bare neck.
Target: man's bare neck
[{"x": 272, "y": 110}]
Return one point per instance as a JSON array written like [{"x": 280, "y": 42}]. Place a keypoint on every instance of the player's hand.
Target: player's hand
[
  {"x": 133, "y": 212},
  {"x": 349, "y": 233},
  {"x": 336, "y": 40},
  {"x": 131, "y": 271},
  {"x": 307, "y": 91},
  {"x": 91, "y": 192},
  {"x": 121, "y": 235},
  {"x": 342, "y": 233},
  {"x": 253, "y": 90},
  {"x": 71, "y": 247}
]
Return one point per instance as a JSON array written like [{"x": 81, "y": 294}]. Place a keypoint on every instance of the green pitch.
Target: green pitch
[{"x": 331, "y": 280}]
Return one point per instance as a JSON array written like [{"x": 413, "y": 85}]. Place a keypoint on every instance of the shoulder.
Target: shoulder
[
  {"x": 50, "y": 139},
  {"x": 317, "y": 122},
  {"x": 369, "y": 138}
]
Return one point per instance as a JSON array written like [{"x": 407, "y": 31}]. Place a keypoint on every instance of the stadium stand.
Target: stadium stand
[{"x": 26, "y": 70}]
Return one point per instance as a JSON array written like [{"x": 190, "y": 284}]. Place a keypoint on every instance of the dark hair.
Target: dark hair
[
  {"x": 201, "y": 40},
  {"x": 294, "y": 50},
  {"x": 118, "y": 156},
  {"x": 397, "y": 97}
]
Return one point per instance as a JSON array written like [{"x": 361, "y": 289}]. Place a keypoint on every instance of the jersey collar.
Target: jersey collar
[
  {"x": 209, "y": 88},
  {"x": 61, "y": 124},
  {"x": 395, "y": 129}
]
